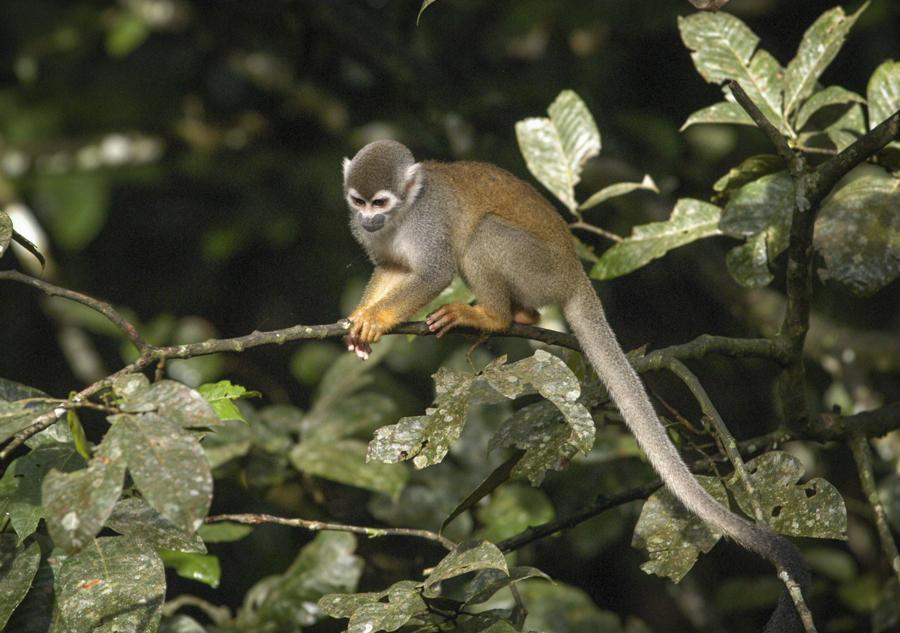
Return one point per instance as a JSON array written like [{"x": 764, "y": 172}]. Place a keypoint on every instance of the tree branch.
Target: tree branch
[
  {"x": 102, "y": 307},
  {"x": 316, "y": 526}
]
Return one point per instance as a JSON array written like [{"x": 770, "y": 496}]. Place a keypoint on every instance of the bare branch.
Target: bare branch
[{"x": 316, "y": 526}]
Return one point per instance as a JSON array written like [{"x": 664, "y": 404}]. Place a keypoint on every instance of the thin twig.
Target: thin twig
[
  {"x": 584, "y": 226},
  {"x": 95, "y": 304},
  {"x": 795, "y": 162},
  {"x": 862, "y": 455},
  {"x": 315, "y": 526}
]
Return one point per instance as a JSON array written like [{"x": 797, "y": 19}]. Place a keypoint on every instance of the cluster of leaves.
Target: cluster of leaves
[{"x": 857, "y": 228}]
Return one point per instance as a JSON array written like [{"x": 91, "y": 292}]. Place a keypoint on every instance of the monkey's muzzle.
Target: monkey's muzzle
[{"x": 372, "y": 223}]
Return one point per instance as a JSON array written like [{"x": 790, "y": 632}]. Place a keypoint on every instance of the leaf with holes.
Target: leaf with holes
[
  {"x": 556, "y": 149},
  {"x": 723, "y": 47},
  {"x": 818, "y": 48},
  {"x": 672, "y": 535},
  {"x": 814, "y": 509},
  {"x": 426, "y": 438},
  {"x": 172, "y": 400},
  {"x": 858, "y": 233}
]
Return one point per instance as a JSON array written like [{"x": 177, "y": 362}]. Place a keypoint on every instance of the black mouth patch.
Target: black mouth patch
[{"x": 372, "y": 223}]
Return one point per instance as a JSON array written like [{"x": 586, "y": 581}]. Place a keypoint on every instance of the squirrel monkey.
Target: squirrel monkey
[{"x": 422, "y": 223}]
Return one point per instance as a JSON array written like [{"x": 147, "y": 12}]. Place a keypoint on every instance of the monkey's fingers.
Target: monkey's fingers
[
  {"x": 442, "y": 321},
  {"x": 362, "y": 350}
]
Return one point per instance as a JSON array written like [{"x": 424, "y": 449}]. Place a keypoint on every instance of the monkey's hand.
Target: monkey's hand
[{"x": 366, "y": 327}]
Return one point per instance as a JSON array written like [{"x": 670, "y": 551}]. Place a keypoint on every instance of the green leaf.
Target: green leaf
[
  {"x": 489, "y": 581},
  {"x": 691, "y": 220},
  {"x": 425, "y": 5},
  {"x": 832, "y": 95},
  {"x": 203, "y": 568},
  {"x": 858, "y": 233},
  {"x": 77, "y": 504},
  {"x": 426, "y": 438},
  {"x": 355, "y": 416},
  {"x": 344, "y": 461},
  {"x": 497, "y": 477},
  {"x": 15, "y": 416},
  {"x": 370, "y": 612},
  {"x": 10, "y": 391},
  {"x": 35, "y": 612},
  {"x": 814, "y": 509},
  {"x": 557, "y": 148},
  {"x": 223, "y": 532},
  {"x": 749, "y": 170},
  {"x": 561, "y": 608},
  {"x": 347, "y": 376},
  {"x": 73, "y": 205},
  {"x": 286, "y": 601},
  {"x": 466, "y": 557},
  {"x": 848, "y": 128},
  {"x": 513, "y": 509},
  {"x": 221, "y": 395},
  {"x": 167, "y": 465},
  {"x": 672, "y": 535},
  {"x": 618, "y": 189},
  {"x": 18, "y": 565},
  {"x": 21, "y": 484},
  {"x": 749, "y": 262},
  {"x": 6, "y": 231},
  {"x": 172, "y": 400},
  {"x": 116, "y": 584},
  {"x": 79, "y": 439},
  {"x": 549, "y": 441},
  {"x": 818, "y": 48},
  {"x": 722, "y": 47},
  {"x": 134, "y": 517},
  {"x": 723, "y": 112},
  {"x": 127, "y": 32},
  {"x": 883, "y": 93}
]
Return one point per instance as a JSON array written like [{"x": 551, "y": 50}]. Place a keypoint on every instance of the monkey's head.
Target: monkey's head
[{"x": 381, "y": 181}]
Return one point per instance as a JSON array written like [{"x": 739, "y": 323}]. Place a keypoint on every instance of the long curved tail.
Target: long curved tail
[{"x": 585, "y": 314}]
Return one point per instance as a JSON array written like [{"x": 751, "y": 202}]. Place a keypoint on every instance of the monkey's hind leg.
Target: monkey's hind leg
[{"x": 478, "y": 316}]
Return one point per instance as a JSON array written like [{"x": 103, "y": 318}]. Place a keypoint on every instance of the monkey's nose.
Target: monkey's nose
[{"x": 372, "y": 223}]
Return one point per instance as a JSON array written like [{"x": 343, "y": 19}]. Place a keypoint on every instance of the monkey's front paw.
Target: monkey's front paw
[
  {"x": 369, "y": 326},
  {"x": 447, "y": 317},
  {"x": 362, "y": 350}
]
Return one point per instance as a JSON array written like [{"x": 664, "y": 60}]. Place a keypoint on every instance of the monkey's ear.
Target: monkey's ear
[
  {"x": 412, "y": 182},
  {"x": 346, "y": 165}
]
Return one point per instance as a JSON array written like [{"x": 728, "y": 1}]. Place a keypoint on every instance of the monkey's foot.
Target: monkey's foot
[
  {"x": 454, "y": 315},
  {"x": 368, "y": 327}
]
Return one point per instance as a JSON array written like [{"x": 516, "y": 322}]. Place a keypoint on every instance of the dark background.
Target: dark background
[{"x": 241, "y": 223}]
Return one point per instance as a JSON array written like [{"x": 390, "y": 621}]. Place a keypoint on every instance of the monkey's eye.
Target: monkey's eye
[
  {"x": 357, "y": 201},
  {"x": 380, "y": 203}
]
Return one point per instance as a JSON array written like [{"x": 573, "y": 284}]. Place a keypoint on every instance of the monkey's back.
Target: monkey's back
[{"x": 484, "y": 189}]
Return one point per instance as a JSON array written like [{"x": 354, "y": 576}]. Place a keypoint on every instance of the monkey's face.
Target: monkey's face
[{"x": 372, "y": 212}]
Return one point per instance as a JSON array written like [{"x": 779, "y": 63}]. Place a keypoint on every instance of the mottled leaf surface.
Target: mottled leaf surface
[
  {"x": 858, "y": 233},
  {"x": 18, "y": 565},
  {"x": 489, "y": 581},
  {"x": 172, "y": 400},
  {"x": 513, "y": 509},
  {"x": 724, "y": 112},
  {"x": 20, "y": 487},
  {"x": 883, "y": 94},
  {"x": 618, "y": 189},
  {"x": 377, "y": 611},
  {"x": 832, "y": 95},
  {"x": 749, "y": 170},
  {"x": 168, "y": 466},
  {"x": 818, "y": 48},
  {"x": 691, "y": 220},
  {"x": 848, "y": 128},
  {"x": 426, "y": 438},
  {"x": 344, "y": 461},
  {"x": 134, "y": 517},
  {"x": 467, "y": 557},
  {"x": 78, "y": 503},
  {"x": 748, "y": 263},
  {"x": 556, "y": 148},
  {"x": 116, "y": 584},
  {"x": 722, "y": 47},
  {"x": 813, "y": 509},
  {"x": 672, "y": 536}
]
